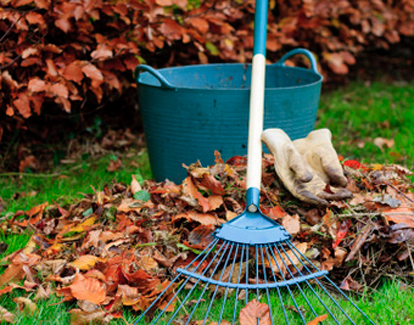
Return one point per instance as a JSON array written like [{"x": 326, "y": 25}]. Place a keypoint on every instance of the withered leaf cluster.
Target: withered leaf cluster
[
  {"x": 71, "y": 53},
  {"x": 121, "y": 245}
]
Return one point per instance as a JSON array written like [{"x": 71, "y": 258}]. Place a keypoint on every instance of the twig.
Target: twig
[
  {"x": 411, "y": 256},
  {"x": 399, "y": 192},
  {"x": 372, "y": 214},
  {"x": 11, "y": 63},
  {"x": 12, "y": 26},
  {"x": 362, "y": 214}
]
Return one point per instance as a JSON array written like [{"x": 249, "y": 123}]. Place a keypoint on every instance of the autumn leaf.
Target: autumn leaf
[
  {"x": 289, "y": 258},
  {"x": 34, "y": 18},
  {"x": 200, "y": 237},
  {"x": 190, "y": 189},
  {"x": 114, "y": 165},
  {"x": 130, "y": 295},
  {"x": 26, "y": 304},
  {"x": 19, "y": 267},
  {"x": 291, "y": 224},
  {"x": 86, "y": 262},
  {"x": 6, "y": 290},
  {"x": 29, "y": 51},
  {"x": 37, "y": 85},
  {"x": 102, "y": 52},
  {"x": 318, "y": 320},
  {"x": 63, "y": 24},
  {"x": 215, "y": 201},
  {"x": 60, "y": 90},
  {"x": 383, "y": 142},
  {"x": 255, "y": 313},
  {"x": 22, "y": 104},
  {"x": 146, "y": 262},
  {"x": 199, "y": 23},
  {"x": 135, "y": 187},
  {"x": 336, "y": 63},
  {"x": 80, "y": 317},
  {"x": 210, "y": 183},
  {"x": 171, "y": 29},
  {"x": 354, "y": 164},
  {"x": 202, "y": 218},
  {"x": 88, "y": 289},
  {"x": 93, "y": 73},
  {"x": 73, "y": 72},
  {"x": 341, "y": 232},
  {"x": 6, "y": 316},
  {"x": 400, "y": 215}
]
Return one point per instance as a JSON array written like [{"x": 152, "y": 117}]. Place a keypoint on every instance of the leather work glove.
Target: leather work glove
[
  {"x": 305, "y": 179},
  {"x": 320, "y": 154}
]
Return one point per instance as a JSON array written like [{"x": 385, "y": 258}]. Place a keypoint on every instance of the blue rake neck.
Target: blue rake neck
[{"x": 252, "y": 227}]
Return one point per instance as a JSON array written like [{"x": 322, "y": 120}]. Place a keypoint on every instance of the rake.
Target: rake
[{"x": 251, "y": 256}]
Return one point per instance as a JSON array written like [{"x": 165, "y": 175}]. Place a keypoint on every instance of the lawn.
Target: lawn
[{"x": 358, "y": 115}]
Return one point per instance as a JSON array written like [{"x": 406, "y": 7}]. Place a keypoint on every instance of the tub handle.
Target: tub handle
[
  {"x": 155, "y": 73},
  {"x": 305, "y": 52}
]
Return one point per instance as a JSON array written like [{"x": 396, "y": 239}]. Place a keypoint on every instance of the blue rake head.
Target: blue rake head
[{"x": 252, "y": 257}]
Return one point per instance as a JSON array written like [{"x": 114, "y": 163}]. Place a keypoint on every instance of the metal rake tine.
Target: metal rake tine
[
  {"x": 185, "y": 282},
  {"x": 326, "y": 291},
  {"x": 287, "y": 286},
  {"x": 340, "y": 291},
  {"x": 236, "y": 298},
  {"x": 227, "y": 288},
  {"x": 277, "y": 288},
  {"x": 310, "y": 286},
  {"x": 210, "y": 247},
  {"x": 215, "y": 290},
  {"x": 349, "y": 299},
  {"x": 206, "y": 284},
  {"x": 195, "y": 284},
  {"x": 267, "y": 289},
  {"x": 297, "y": 284}
]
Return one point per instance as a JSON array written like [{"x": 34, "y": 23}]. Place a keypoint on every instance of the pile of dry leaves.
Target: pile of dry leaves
[{"x": 120, "y": 246}]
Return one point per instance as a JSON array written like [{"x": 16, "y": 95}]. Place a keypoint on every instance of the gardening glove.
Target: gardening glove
[
  {"x": 320, "y": 154},
  {"x": 296, "y": 173}
]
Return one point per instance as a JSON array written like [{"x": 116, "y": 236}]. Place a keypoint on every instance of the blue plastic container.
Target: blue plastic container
[{"x": 189, "y": 112}]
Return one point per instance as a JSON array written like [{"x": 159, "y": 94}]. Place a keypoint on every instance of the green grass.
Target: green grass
[
  {"x": 68, "y": 182},
  {"x": 356, "y": 114},
  {"x": 360, "y": 113},
  {"x": 377, "y": 306}
]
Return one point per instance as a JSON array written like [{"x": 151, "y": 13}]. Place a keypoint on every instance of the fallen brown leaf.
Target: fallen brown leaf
[
  {"x": 86, "y": 262},
  {"x": 114, "y": 165},
  {"x": 255, "y": 313},
  {"x": 135, "y": 187},
  {"x": 383, "y": 142},
  {"x": 291, "y": 224},
  {"x": 26, "y": 304},
  {"x": 88, "y": 289},
  {"x": 6, "y": 316},
  {"x": 400, "y": 215},
  {"x": 318, "y": 320},
  {"x": 203, "y": 218},
  {"x": 80, "y": 317}
]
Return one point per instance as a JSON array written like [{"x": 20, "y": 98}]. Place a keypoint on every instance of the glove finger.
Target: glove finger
[
  {"x": 338, "y": 195},
  {"x": 332, "y": 167},
  {"x": 297, "y": 164},
  {"x": 307, "y": 196}
]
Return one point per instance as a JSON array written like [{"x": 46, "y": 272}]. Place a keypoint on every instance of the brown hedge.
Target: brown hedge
[{"x": 76, "y": 52}]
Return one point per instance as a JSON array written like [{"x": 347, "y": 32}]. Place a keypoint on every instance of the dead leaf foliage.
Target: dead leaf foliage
[
  {"x": 111, "y": 250},
  {"x": 88, "y": 50}
]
